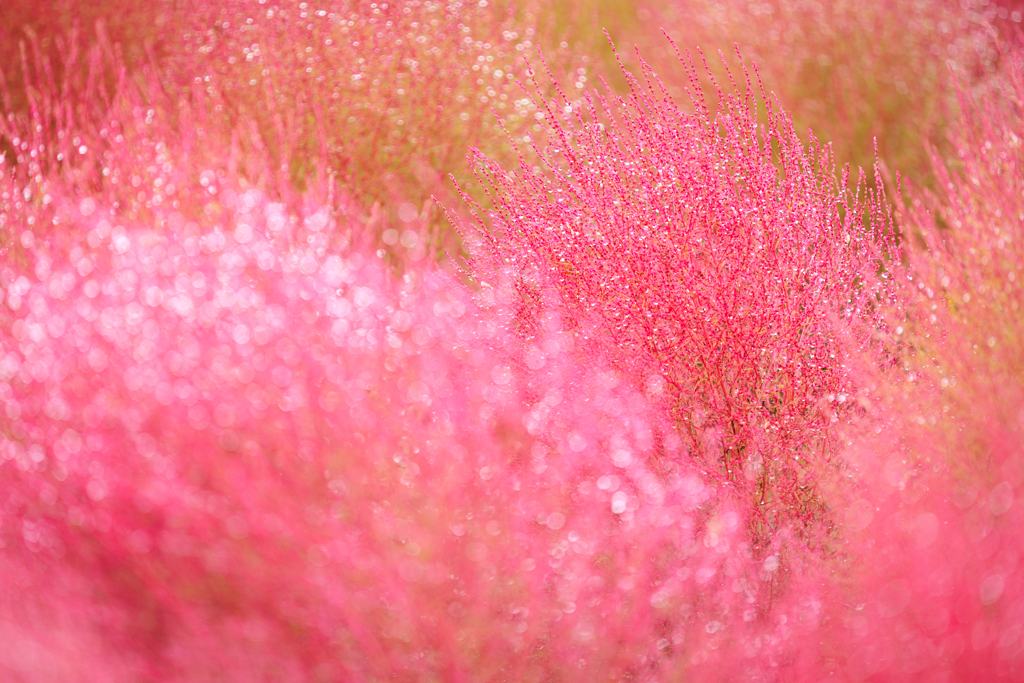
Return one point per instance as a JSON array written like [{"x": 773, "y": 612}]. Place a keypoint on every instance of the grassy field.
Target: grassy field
[{"x": 497, "y": 341}]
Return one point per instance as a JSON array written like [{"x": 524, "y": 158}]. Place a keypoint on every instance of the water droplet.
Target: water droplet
[{"x": 619, "y": 499}]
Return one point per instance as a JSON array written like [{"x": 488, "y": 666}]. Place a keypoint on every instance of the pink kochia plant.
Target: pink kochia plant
[
  {"x": 864, "y": 76},
  {"x": 385, "y": 95},
  {"x": 935, "y": 525},
  {"x": 718, "y": 265}
]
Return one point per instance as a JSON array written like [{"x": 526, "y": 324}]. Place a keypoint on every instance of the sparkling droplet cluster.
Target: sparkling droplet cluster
[{"x": 718, "y": 266}]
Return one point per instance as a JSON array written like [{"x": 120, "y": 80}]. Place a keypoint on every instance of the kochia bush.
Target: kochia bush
[
  {"x": 717, "y": 264},
  {"x": 870, "y": 78},
  {"x": 937, "y": 529}
]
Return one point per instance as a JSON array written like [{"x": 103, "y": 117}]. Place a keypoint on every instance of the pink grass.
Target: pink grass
[
  {"x": 938, "y": 530},
  {"x": 692, "y": 420},
  {"x": 716, "y": 263},
  {"x": 862, "y": 76}
]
